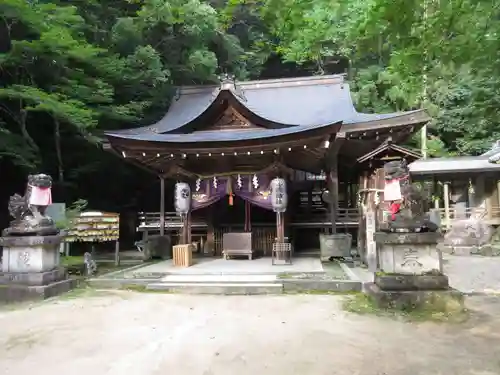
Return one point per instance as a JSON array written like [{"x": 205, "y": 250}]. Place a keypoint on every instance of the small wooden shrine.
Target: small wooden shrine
[{"x": 229, "y": 141}]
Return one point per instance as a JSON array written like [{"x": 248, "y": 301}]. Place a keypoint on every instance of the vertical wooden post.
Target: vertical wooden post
[
  {"x": 184, "y": 233},
  {"x": 211, "y": 232},
  {"x": 117, "y": 253},
  {"x": 446, "y": 201},
  {"x": 333, "y": 188},
  {"x": 333, "y": 179},
  {"x": 498, "y": 193},
  {"x": 162, "y": 206},
  {"x": 188, "y": 234}
]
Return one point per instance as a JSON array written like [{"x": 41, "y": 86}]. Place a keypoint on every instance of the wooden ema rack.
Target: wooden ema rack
[{"x": 95, "y": 226}]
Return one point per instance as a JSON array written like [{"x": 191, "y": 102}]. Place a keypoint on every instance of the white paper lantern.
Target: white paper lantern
[
  {"x": 279, "y": 195},
  {"x": 182, "y": 198}
]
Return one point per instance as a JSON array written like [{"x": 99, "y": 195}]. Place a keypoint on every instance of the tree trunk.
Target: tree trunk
[
  {"x": 24, "y": 131},
  {"x": 57, "y": 143}
]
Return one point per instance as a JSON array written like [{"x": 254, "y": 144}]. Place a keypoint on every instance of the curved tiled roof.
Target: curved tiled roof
[{"x": 290, "y": 105}]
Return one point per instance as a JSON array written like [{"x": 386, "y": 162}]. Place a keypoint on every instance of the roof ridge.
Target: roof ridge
[{"x": 268, "y": 83}]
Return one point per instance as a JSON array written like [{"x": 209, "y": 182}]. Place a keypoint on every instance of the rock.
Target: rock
[
  {"x": 469, "y": 232},
  {"x": 485, "y": 250}
]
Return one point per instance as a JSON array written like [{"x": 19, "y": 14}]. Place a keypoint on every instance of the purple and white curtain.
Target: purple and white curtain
[{"x": 254, "y": 189}]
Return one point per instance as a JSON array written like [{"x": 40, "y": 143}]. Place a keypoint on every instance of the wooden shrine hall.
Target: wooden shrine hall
[{"x": 228, "y": 141}]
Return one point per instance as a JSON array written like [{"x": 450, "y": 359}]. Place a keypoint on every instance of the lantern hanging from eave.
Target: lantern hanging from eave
[
  {"x": 279, "y": 197},
  {"x": 182, "y": 198}
]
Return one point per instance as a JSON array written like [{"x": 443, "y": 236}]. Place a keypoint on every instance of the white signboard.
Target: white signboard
[{"x": 371, "y": 246}]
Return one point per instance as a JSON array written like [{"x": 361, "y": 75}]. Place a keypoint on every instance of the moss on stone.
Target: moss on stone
[{"x": 441, "y": 308}]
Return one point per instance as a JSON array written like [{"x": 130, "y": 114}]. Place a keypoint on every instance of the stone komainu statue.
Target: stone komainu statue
[
  {"x": 406, "y": 202},
  {"x": 28, "y": 211}
]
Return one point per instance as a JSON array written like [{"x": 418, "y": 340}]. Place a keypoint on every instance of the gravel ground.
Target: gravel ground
[
  {"x": 473, "y": 274},
  {"x": 129, "y": 333}
]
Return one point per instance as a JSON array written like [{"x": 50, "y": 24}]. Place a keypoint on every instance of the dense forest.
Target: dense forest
[{"x": 69, "y": 72}]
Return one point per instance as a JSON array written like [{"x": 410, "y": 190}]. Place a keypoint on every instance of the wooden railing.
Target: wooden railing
[
  {"x": 345, "y": 216},
  {"x": 489, "y": 215},
  {"x": 151, "y": 220},
  {"x": 348, "y": 217}
]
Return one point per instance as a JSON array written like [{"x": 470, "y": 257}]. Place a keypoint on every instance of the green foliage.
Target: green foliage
[
  {"x": 72, "y": 212},
  {"x": 406, "y": 54},
  {"x": 70, "y": 72}
]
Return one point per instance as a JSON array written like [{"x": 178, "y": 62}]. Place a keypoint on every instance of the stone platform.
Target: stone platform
[
  {"x": 238, "y": 276},
  {"x": 19, "y": 287},
  {"x": 219, "y": 266}
]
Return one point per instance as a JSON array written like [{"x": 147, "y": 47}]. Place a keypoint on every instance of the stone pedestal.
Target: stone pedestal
[
  {"x": 30, "y": 268},
  {"x": 409, "y": 253},
  {"x": 411, "y": 272}
]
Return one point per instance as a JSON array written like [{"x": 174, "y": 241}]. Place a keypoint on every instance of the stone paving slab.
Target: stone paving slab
[
  {"x": 468, "y": 274},
  {"x": 473, "y": 274},
  {"x": 219, "y": 266},
  {"x": 219, "y": 279}
]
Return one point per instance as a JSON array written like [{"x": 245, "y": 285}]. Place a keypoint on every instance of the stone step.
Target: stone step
[
  {"x": 189, "y": 279},
  {"x": 217, "y": 288}
]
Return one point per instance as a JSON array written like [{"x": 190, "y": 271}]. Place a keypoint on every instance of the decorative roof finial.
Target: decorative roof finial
[{"x": 228, "y": 82}]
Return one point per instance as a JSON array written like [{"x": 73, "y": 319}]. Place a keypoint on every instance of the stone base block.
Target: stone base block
[
  {"x": 406, "y": 300},
  {"x": 409, "y": 253},
  {"x": 20, "y": 293},
  {"x": 32, "y": 278},
  {"x": 411, "y": 282},
  {"x": 30, "y": 253}
]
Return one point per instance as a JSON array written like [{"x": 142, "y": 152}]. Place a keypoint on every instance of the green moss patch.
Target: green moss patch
[{"x": 444, "y": 310}]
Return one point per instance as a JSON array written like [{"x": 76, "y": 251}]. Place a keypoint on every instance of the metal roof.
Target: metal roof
[
  {"x": 486, "y": 162},
  {"x": 460, "y": 164},
  {"x": 296, "y": 104}
]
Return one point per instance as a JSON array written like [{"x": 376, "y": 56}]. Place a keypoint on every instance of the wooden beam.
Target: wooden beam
[
  {"x": 132, "y": 161},
  {"x": 331, "y": 157}
]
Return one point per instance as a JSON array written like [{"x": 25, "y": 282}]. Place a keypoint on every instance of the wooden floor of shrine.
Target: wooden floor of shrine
[{"x": 219, "y": 266}]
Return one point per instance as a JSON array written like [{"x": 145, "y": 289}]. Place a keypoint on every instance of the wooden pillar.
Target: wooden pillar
[
  {"x": 211, "y": 233},
  {"x": 186, "y": 229},
  {"x": 117, "y": 253},
  {"x": 333, "y": 188},
  {"x": 498, "y": 193},
  {"x": 333, "y": 179},
  {"x": 162, "y": 206},
  {"x": 446, "y": 201},
  {"x": 189, "y": 234}
]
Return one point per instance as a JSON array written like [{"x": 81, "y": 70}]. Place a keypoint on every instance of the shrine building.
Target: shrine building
[{"x": 228, "y": 141}]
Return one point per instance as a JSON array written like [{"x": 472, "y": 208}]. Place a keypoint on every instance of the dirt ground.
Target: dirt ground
[{"x": 131, "y": 333}]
